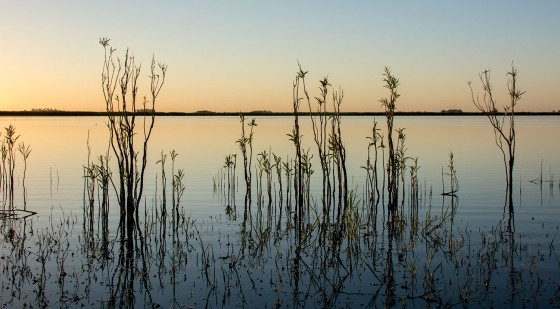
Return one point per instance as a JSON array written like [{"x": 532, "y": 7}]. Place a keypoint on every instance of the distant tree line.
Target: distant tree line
[
  {"x": 46, "y": 109},
  {"x": 452, "y": 111}
]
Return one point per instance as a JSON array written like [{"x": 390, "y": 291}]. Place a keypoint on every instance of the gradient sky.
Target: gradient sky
[{"x": 242, "y": 55}]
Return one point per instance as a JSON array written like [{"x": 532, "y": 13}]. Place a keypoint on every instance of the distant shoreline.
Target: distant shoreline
[{"x": 257, "y": 113}]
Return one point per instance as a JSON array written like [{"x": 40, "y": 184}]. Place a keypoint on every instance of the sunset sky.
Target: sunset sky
[{"x": 242, "y": 55}]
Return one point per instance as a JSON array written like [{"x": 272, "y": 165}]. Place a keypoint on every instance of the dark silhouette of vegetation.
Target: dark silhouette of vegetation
[
  {"x": 319, "y": 123},
  {"x": 391, "y": 83},
  {"x": 326, "y": 251},
  {"x": 295, "y": 137},
  {"x": 9, "y": 155},
  {"x": 25, "y": 151},
  {"x": 245, "y": 144},
  {"x": 502, "y": 124},
  {"x": 8, "y": 181},
  {"x": 46, "y": 110},
  {"x": 61, "y": 113},
  {"x": 452, "y": 111},
  {"x": 120, "y": 90}
]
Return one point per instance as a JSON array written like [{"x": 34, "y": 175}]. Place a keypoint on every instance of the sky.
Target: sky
[{"x": 236, "y": 56}]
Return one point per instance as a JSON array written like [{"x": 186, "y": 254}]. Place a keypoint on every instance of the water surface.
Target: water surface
[{"x": 266, "y": 275}]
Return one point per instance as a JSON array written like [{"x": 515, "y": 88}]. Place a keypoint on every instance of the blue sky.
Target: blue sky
[{"x": 242, "y": 55}]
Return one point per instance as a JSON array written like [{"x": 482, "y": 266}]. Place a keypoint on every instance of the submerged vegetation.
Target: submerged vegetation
[{"x": 305, "y": 239}]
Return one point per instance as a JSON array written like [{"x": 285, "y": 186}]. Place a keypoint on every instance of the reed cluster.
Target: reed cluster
[
  {"x": 9, "y": 149},
  {"x": 339, "y": 215}
]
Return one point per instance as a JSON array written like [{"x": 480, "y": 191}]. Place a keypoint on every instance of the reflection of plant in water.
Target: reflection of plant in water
[{"x": 381, "y": 269}]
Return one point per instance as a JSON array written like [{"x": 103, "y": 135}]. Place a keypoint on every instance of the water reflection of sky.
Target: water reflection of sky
[{"x": 59, "y": 152}]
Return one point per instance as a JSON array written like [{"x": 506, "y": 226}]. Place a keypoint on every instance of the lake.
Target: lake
[{"x": 215, "y": 250}]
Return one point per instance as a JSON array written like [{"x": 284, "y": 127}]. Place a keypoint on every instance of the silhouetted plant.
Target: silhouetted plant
[
  {"x": 287, "y": 167},
  {"x": 3, "y": 173},
  {"x": 453, "y": 182},
  {"x": 246, "y": 146},
  {"x": 338, "y": 152},
  {"x": 414, "y": 195},
  {"x": 104, "y": 179},
  {"x": 295, "y": 137},
  {"x": 9, "y": 153},
  {"x": 122, "y": 110},
  {"x": 90, "y": 185},
  {"x": 306, "y": 171},
  {"x": 162, "y": 161},
  {"x": 267, "y": 168},
  {"x": 230, "y": 164},
  {"x": 320, "y": 134},
  {"x": 278, "y": 168},
  {"x": 391, "y": 83},
  {"x": 97, "y": 178},
  {"x": 179, "y": 187},
  {"x": 401, "y": 159},
  {"x": 372, "y": 184},
  {"x": 503, "y": 124},
  {"x": 25, "y": 152},
  {"x": 260, "y": 170}
]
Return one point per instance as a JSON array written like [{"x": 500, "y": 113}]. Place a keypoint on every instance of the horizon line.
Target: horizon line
[{"x": 259, "y": 113}]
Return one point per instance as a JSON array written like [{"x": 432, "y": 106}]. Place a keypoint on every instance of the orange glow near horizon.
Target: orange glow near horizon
[{"x": 230, "y": 58}]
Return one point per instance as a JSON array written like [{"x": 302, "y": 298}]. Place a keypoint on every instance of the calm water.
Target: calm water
[{"x": 489, "y": 266}]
